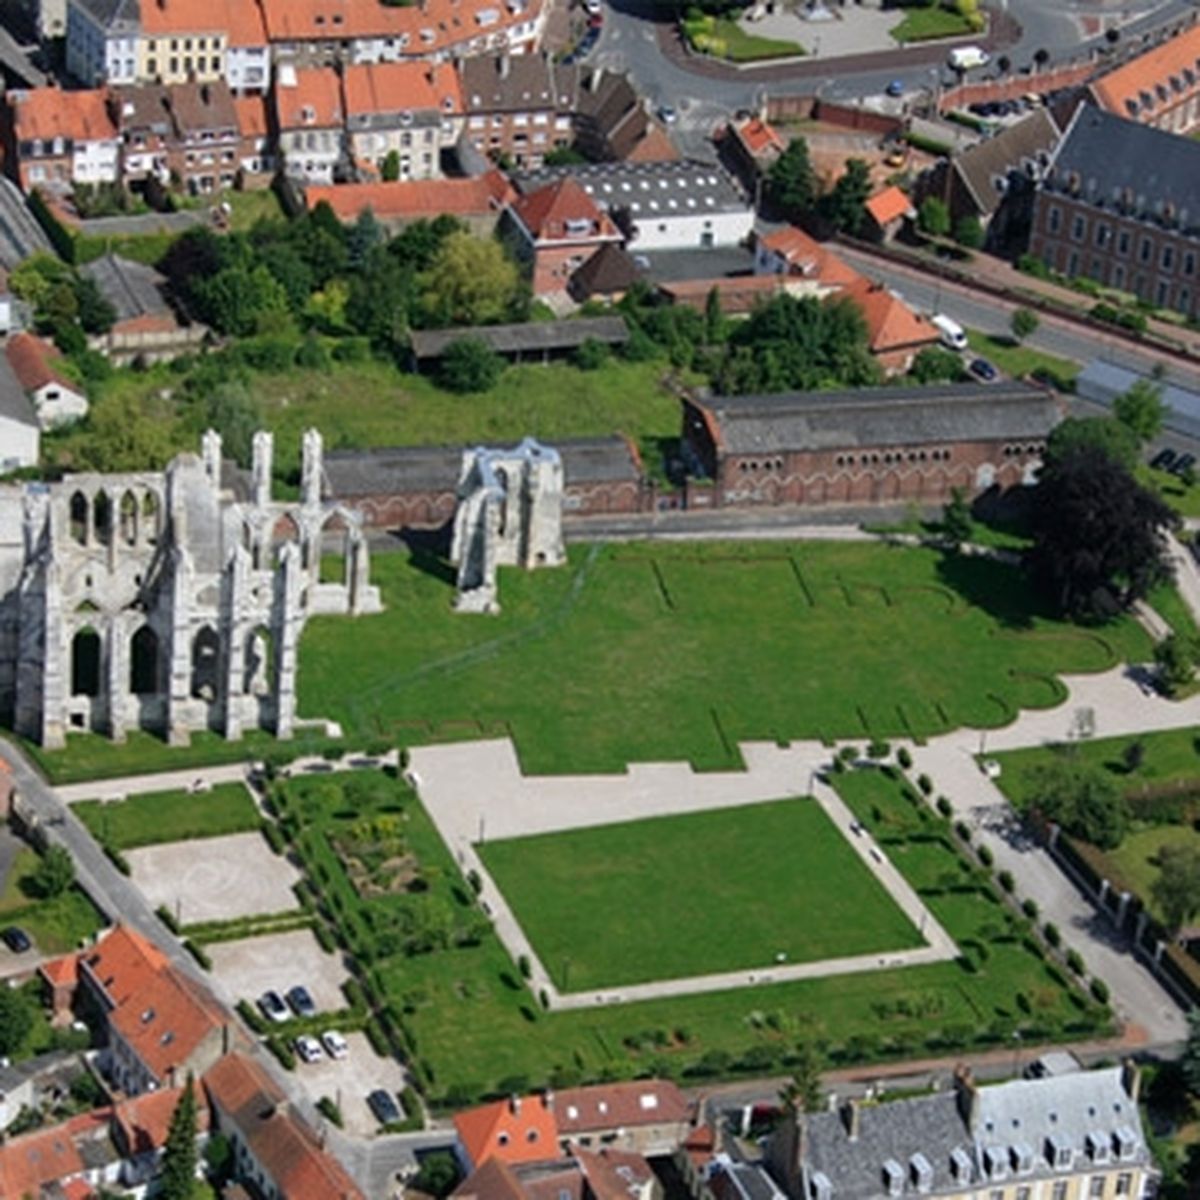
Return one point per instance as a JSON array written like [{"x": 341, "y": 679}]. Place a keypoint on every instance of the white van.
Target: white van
[
  {"x": 953, "y": 335},
  {"x": 964, "y": 58}
]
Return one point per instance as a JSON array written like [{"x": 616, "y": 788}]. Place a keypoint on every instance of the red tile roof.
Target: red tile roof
[
  {"x": 143, "y": 1121},
  {"x": 400, "y": 86},
  {"x": 1152, "y": 81},
  {"x": 313, "y": 101},
  {"x": 48, "y": 112},
  {"x": 805, "y": 256},
  {"x": 60, "y": 972},
  {"x": 240, "y": 20},
  {"x": 757, "y": 136},
  {"x": 620, "y": 1105},
  {"x": 28, "y": 1163},
  {"x": 549, "y": 211},
  {"x": 413, "y": 198},
  {"x": 281, "y": 1143},
  {"x": 516, "y": 1131},
  {"x": 891, "y": 324},
  {"x": 33, "y": 362},
  {"x": 251, "y": 116},
  {"x": 889, "y": 205},
  {"x": 654, "y": 145}
]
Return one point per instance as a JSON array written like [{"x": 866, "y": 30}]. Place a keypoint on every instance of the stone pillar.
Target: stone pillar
[
  {"x": 286, "y": 636},
  {"x": 1159, "y": 947},
  {"x": 1104, "y": 890},
  {"x": 1139, "y": 929},
  {"x": 1052, "y": 837},
  {"x": 1122, "y": 909},
  {"x": 116, "y": 677},
  {"x": 233, "y": 640},
  {"x": 263, "y": 448},
  {"x": 210, "y": 451},
  {"x": 179, "y": 648},
  {"x": 311, "y": 469},
  {"x": 359, "y": 568}
]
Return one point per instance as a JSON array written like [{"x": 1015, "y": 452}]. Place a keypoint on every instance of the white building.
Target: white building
[
  {"x": 102, "y": 37},
  {"x": 661, "y": 205},
  {"x": 56, "y": 400},
  {"x": 311, "y": 121},
  {"x": 20, "y": 437}
]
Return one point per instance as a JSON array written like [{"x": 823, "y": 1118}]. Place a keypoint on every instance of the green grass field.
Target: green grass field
[
  {"x": 613, "y": 904},
  {"x": 1019, "y": 360},
  {"x": 740, "y": 46},
  {"x": 651, "y": 652},
  {"x": 1136, "y": 859},
  {"x": 56, "y": 925},
  {"x": 921, "y": 24},
  {"x": 170, "y": 816}
]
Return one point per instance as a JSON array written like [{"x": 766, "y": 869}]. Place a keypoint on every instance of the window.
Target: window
[
  {"x": 1073, "y": 264},
  {"x": 1096, "y": 1186},
  {"x": 1123, "y": 242},
  {"x": 1167, "y": 259},
  {"x": 215, "y": 63},
  {"x": 1024, "y": 1193},
  {"x": 1054, "y": 219},
  {"x": 1183, "y": 299},
  {"x": 1078, "y": 228},
  {"x": 1103, "y": 234},
  {"x": 174, "y": 66},
  {"x": 1124, "y": 1183},
  {"x": 1145, "y": 250},
  {"x": 1118, "y": 275},
  {"x": 1059, "y": 1191},
  {"x": 152, "y": 66},
  {"x": 1163, "y": 294},
  {"x": 187, "y": 43}
]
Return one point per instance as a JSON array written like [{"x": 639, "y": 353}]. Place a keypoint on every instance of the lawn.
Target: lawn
[
  {"x": 922, "y": 24},
  {"x": 471, "y": 1027},
  {"x": 1170, "y": 605},
  {"x": 1171, "y": 757},
  {"x": 740, "y": 46},
  {"x": 262, "y": 204},
  {"x": 154, "y": 817},
  {"x": 678, "y": 651},
  {"x": 605, "y": 906},
  {"x": 56, "y": 925},
  {"x": 1018, "y": 360},
  {"x": 1136, "y": 859},
  {"x": 1183, "y": 499}
]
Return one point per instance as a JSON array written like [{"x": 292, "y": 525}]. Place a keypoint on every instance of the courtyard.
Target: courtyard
[
  {"x": 347, "y": 1082},
  {"x": 278, "y": 961}
]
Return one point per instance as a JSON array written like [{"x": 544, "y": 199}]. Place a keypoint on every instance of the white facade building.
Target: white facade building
[{"x": 102, "y": 40}]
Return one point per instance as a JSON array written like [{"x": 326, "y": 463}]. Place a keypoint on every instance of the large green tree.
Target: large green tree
[
  {"x": 1141, "y": 410},
  {"x": 471, "y": 281},
  {"x": 55, "y": 872},
  {"x": 845, "y": 206},
  {"x": 791, "y": 181},
  {"x": 1176, "y": 889},
  {"x": 1083, "y": 799},
  {"x": 1104, "y": 433},
  {"x": 1098, "y": 541},
  {"x": 177, "y": 1179},
  {"x": 16, "y": 1018}
]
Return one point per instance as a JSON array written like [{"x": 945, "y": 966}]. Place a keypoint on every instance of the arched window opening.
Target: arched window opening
[
  {"x": 79, "y": 518},
  {"x": 143, "y": 662},
  {"x": 85, "y": 663},
  {"x": 205, "y": 662},
  {"x": 129, "y": 514}
]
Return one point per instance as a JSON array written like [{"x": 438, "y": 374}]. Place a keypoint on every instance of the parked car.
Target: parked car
[
  {"x": 301, "y": 1001},
  {"x": 273, "y": 1007},
  {"x": 895, "y": 88},
  {"x": 983, "y": 370},
  {"x": 335, "y": 1045},
  {"x": 1163, "y": 460},
  {"x": 309, "y": 1048},
  {"x": 383, "y": 1106},
  {"x": 593, "y": 7},
  {"x": 16, "y": 939},
  {"x": 668, "y": 114}
]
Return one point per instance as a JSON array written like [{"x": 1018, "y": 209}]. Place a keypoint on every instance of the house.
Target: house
[
  {"x": 1160, "y": 87},
  {"x": 159, "y": 1025},
  {"x": 994, "y": 180},
  {"x": 204, "y": 154},
  {"x": 870, "y": 446},
  {"x": 645, "y": 1116},
  {"x": 56, "y": 139},
  {"x": 412, "y": 110},
  {"x": 580, "y": 1175},
  {"x": 273, "y": 1149},
  {"x": 607, "y": 275},
  {"x": 35, "y": 1162},
  {"x": 142, "y": 116},
  {"x": 147, "y": 328},
  {"x": 256, "y": 144},
  {"x": 738, "y": 295},
  {"x": 247, "y": 51},
  {"x": 308, "y": 32},
  {"x": 887, "y": 212},
  {"x": 1064, "y": 1136},
  {"x": 311, "y": 122},
  {"x": 753, "y": 146},
  {"x": 140, "y": 1126},
  {"x": 102, "y": 41},
  {"x": 521, "y": 1129},
  {"x": 895, "y": 333},
  {"x": 729, "y": 1179},
  {"x": 612, "y": 122},
  {"x": 479, "y": 202},
  {"x": 20, "y": 433},
  {"x": 184, "y": 41},
  {"x": 1120, "y": 204},
  {"x": 558, "y": 227},
  {"x": 519, "y": 107},
  {"x": 659, "y": 206},
  {"x": 56, "y": 399},
  {"x": 31, "y": 1081},
  {"x": 790, "y": 252}
]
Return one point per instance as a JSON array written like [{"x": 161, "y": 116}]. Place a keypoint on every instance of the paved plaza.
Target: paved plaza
[{"x": 277, "y": 962}]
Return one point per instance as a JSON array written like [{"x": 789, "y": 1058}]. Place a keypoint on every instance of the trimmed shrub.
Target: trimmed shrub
[
  {"x": 1005, "y": 880},
  {"x": 1099, "y": 990},
  {"x": 198, "y": 953},
  {"x": 904, "y": 758},
  {"x": 985, "y": 856},
  {"x": 274, "y": 837},
  {"x": 117, "y": 859},
  {"x": 325, "y": 938},
  {"x": 252, "y": 1017},
  {"x": 475, "y": 881},
  {"x": 544, "y": 997},
  {"x": 925, "y": 784},
  {"x": 1075, "y": 962},
  {"x": 282, "y": 1052},
  {"x": 963, "y": 830},
  {"x": 330, "y": 1111},
  {"x": 944, "y": 806},
  {"x": 523, "y": 965},
  {"x": 878, "y": 748},
  {"x": 1029, "y": 907},
  {"x": 1052, "y": 935},
  {"x": 167, "y": 917}
]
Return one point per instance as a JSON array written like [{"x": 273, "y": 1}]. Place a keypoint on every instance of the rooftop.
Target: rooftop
[
  {"x": 516, "y": 1131},
  {"x": 562, "y": 210},
  {"x": 501, "y": 82},
  {"x": 378, "y": 89},
  {"x": 1160, "y": 78},
  {"x": 533, "y": 337},
  {"x": 620, "y": 1105},
  {"x": 889, "y": 205},
  {"x": 308, "y": 98},
  {"x": 34, "y": 360},
  {"x": 415, "y": 198},
  {"x": 48, "y": 113},
  {"x": 132, "y": 288},
  {"x": 1025, "y": 147}
]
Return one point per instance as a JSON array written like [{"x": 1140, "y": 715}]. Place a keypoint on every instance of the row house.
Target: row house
[
  {"x": 311, "y": 122},
  {"x": 519, "y": 107},
  {"x": 56, "y": 139},
  {"x": 410, "y": 109},
  {"x": 206, "y": 149},
  {"x": 1120, "y": 204}
]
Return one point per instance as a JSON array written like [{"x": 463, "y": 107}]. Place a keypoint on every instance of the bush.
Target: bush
[
  {"x": 282, "y": 1051},
  {"x": 1029, "y": 907},
  {"x": 274, "y": 836},
  {"x": 270, "y": 354},
  {"x": 963, "y": 830},
  {"x": 904, "y": 758},
  {"x": 1006, "y": 881},
  {"x": 848, "y": 753},
  {"x": 325, "y": 938},
  {"x": 877, "y": 748},
  {"x": 475, "y": 881},
  {"x": 118, "y": 860},
  {"x": 1099, "y": 990},
  {"x": 591, "y": 355},
  {"x": 985, "y": 856},
  {"x": 944, "y": 807},
  {"x": 925, "y": 784},
  {"x": 330, "y": 1111},
  {"x": 198, "y": 953},
  {"x": 352, "y": 349},
  {"x": 1052, "y": 935},
  {"x": 470, "y": 365},
  {"x": 377, "y": 1038},
  {"x": 1075, "y": 962},
  {"x": 312, "y": 355},
  {"x": 523, "y": 965},
  {"x": 544, "y": 997},
  {"x": 253, "y": 1018},
  {"x": 167, "y": 917}
]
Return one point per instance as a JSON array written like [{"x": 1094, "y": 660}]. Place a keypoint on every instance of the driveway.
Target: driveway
[
  {"x": 278, "y": 961},
  {"x": 347, "y": 1081},
  {"x": 215, "y": 879}
]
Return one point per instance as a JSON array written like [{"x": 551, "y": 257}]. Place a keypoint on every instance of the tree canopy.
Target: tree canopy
[
  {"x": 470, "y": 281},
  {"x": 791, "y": 182},
  {"x": 16, "y": 1018},
  {"x": 55, "y": 872},
  {"x": 1176, "y": 890},
  {"x": 845, "y": 206},
  {"x": 1114, "y": 438},
  {"x": 180, "y": 1157},
  {"x": 1084, "y": 800},
  {"x": 1141, "y": 410}
]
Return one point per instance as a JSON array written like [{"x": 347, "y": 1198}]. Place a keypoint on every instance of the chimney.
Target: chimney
[
  {"x": 1131, "y": 1079},
  {"x": 967, "y": 1094},
  {"x": 504, "y": 65},
  {"x": 851, "y": 1118},
  {"x": 514, "y": 1104},
  {"x": 548, "y": 1100},
  {"x": 594, "y": 80},
  {"x": 226, "y": 1039}
]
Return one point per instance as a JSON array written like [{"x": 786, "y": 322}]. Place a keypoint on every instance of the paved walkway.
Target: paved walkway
[{"x": 456, "y": 781}]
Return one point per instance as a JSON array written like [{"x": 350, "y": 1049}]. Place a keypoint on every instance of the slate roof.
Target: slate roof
[
  {"x": 14, "y": 403},
  {"x": 518, "y": 83},
  {"x": 1129, "y": 168},
  {"x": 132, "y": 288},
  {"x": 606, "y": 272},
  {"x": 111, "y": 14},
  {"x": 531, "y": 337},
  {"x": 1025, "y": 146},
  {"x": 891, "y": 416}
]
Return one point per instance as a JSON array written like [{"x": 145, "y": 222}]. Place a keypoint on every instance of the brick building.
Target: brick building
[
  {"x": 873, "y": 446},
  {"x": 1160, "y": 87},
  {"x": 55, "y": 139},
  {"x": 1120, "y": 204},
  {"x": 206, "y": 150}
]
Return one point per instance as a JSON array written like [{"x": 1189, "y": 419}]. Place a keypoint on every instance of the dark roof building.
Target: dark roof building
[
  {"x": 536, "y": 340},
  {"x": 1120, "y": 204},
  {"x": 875, "y": 445},
  {"x": 607, "y": 275}
]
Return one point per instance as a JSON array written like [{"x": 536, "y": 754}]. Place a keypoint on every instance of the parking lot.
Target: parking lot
[
  {"x": 215, "y": 879},
  {"x": 278, "y": 961},
  {"x": 347, "y": 1081}
]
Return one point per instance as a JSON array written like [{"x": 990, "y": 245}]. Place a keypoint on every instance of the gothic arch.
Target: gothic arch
[
  {"x": 259, "y": 662},
  {"x": 102, "y": 516},
  {"x": 283, "y": 531},
  {"x": 206, "y": 647},
  {"x": 128, "y": 517},
  {"x": 143, "y": 662},
  {"x": 79, "y": 518},
  {"x": 150, "y": 512},
  {"x": 85, "y": 662}
]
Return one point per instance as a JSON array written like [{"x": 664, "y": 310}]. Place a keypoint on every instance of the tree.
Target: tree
[
  {"x": 802, "y": 1093},
  {"x": 54, "y": 874},
  {"x": 969, "y": 232},
  {"x": 1176, "y": 890},
  {"x": 1097, "y": 534},
  {"x": 715, "y": 324},
  {"x": 591, "y": 354},
  {"x": 1041, "y": 57},
  {"x": 124, "y": 438},
  {"x": 791, "y": 181},
  {"x": 1024, "y": 323},
  {"x": 390, "y": 171},
  {"x": 1083, "y": 799},
  {"x": 236, "y": 299},
  {"x": 1141, "y": 410},
  {"x": 933, "y": 217},
  {"x": 96, "y": 314},
  {"x": 469, "y": 282},
  {"x": 470, "y": 365},
  {"x": 957, "y": 524},
  {"x": 177, "y": 1177},
  {"x": 16, "y": 1018},
  {"x": 1191, "y": 1053},
  {"x": 1102, "y": 433},
  {"x": 935, "y": 365},
  {"x": 845, "y": 205},
  {"x": 438, "y": 1174},
  {"x": 1175, "y": 657}
]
